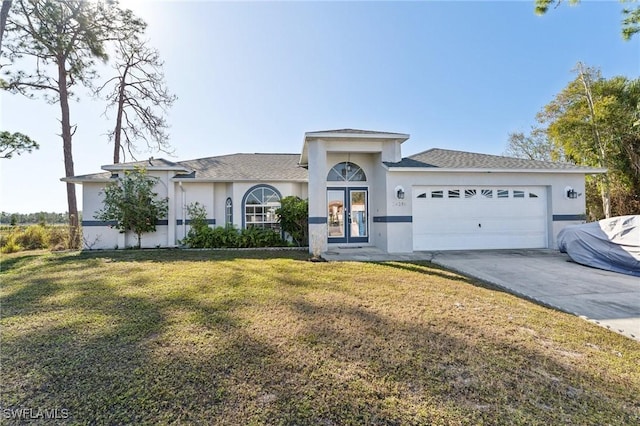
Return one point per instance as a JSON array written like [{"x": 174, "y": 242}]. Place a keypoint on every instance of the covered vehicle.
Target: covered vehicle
[{"x": 611, "y": 244}]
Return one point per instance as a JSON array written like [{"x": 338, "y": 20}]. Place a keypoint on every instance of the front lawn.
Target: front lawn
[{"x": 265, "y": 337}]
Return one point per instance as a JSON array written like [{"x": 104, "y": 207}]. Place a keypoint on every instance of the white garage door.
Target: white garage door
[{"x": 473, "y": 217}]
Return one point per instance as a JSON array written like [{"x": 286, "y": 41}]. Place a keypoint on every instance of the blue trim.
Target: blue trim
[
  {"x": 393, "y": 219},
  {"x": 209, "y": 222},
  {"x": 246, "y": 194},
  {"x": 317, "y": 220},
  {"x": 568, "y": 217},
  {"x": 99, "y": 223},
  {"x": 162, "y": 222}
]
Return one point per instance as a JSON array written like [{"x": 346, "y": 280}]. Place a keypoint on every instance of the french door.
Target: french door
[{"x": 347, "y": 215}]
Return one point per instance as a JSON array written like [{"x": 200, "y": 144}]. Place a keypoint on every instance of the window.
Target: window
[
  {"x": 503, "y": 193},
  {"x": 437, "y": 194},
  {"x": 228, "y": 212},
  {"x": 260, "y": 205},
  {"x": 532, "y": 195},
  {"x": 423, "y": 195},
  {"x": 469, "y": 193},
  {"x": 487, "y": 193},
  {"x": 346, "y": 172},
  {"x": 454, "y": 193},
  {"x": 518, "y": 194}
]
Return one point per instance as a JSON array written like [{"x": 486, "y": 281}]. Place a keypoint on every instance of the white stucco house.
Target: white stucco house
[{"x": 361, "y": 192}]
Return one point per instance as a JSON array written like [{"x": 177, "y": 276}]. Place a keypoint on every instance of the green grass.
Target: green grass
[{"x": 265, "y": 337}]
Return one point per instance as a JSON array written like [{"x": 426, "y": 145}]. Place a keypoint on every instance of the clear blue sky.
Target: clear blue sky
[{"x": 253, "y": 77}]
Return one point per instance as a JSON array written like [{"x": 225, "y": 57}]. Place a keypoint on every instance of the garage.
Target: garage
[{"x": 479, "y": 217}]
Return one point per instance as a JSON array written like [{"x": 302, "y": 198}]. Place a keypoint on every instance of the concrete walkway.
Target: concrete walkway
[{"x": 609, "y": 299}]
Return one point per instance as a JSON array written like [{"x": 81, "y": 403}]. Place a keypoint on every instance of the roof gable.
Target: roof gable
[{"x": 349, "y": 136}]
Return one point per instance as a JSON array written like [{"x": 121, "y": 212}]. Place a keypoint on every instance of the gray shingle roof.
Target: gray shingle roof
[
  {"x": 157, "y": 163},
  {"x": 448, "y": 159},
  {"x": 259, "y": 167},
  {"x": 224, "y": 168},
  {"x": 94, "y": 177}
]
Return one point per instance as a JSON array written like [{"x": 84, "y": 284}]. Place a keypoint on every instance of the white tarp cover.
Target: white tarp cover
[{"x": 611, "y": 244}]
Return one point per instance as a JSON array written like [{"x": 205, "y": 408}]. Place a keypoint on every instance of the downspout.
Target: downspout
[{"x": 184, "y": 210}]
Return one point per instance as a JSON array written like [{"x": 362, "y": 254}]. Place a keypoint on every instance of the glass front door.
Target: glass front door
[{"x": 347, "y": 217}]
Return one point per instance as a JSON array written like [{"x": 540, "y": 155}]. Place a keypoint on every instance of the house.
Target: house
[{"x": 362, "y": 192}]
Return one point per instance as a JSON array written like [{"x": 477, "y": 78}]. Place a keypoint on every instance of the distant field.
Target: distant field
[{"x": 265, "y": 337}]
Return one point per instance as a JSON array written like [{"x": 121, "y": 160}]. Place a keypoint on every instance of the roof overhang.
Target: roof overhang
[
  {"x": 120, "y": 167},
  {"x": 221, "y": 180},
  {"x": 352, "y": 136},
  {"x": 81, "y": 179},
  {"x": 586, "y": 171}
]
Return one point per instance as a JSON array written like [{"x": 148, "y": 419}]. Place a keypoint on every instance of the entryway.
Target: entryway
[{"x": 347, "y": 215}]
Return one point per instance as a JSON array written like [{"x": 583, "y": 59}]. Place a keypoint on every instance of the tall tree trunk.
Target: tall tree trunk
[
  {"x": 4, "y": 13},
  {"x": 605, "y": 187},
  {"x": 117, "y": 145},
  {"x": 68, "y": 154},
  {"x": 605, "y": 192},
  {"x": 116, "y": 137}
]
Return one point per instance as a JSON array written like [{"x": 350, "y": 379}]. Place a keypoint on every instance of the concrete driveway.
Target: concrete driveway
[{"x": 607, "y": 298}]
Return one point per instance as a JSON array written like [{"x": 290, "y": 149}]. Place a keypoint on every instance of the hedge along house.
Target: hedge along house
[{"x": 361, "y": 192}]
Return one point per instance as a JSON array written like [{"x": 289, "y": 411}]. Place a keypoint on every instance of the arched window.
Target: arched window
[
  {"x": 228, "y": 212},
  {"x": 346, "y": 172},
  {"x": 260, "y": 205}
]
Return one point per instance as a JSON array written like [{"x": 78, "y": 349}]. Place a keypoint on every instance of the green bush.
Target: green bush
[
  {"x": 260, "y": 237},
  {"x": 224, "y": 237},
  {"x": 293, "y": 216},
  {"x": 200, "y": 235}
]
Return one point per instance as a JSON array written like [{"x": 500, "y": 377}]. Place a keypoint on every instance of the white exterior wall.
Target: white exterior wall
[
  {"x": 185, "y": 195},
  {"x": 378, "y": 204},
  {"x": 317, "y": 197},
  {"x": 160, "y": 238},
  {"x": 221, "y": 191},
  {"x": 96, "y": 237}
]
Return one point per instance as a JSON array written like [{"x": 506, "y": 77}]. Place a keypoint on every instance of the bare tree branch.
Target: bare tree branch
[{"x": 140, "y": 98}]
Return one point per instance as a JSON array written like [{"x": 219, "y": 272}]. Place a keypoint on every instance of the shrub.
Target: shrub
[
  {"x": 34, "y": 237},
  {"x": 224, "y": 237},
  {"x": 9, "y": 245},
  {"x": 59, "y": 237},
  {"x": 260, "y": 237},
  {"x": 200, "y": 235},
  {"x": 293, "y": 215}
]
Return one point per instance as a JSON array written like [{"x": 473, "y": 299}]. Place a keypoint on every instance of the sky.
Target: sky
[{"x": 255, "y": 76}]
